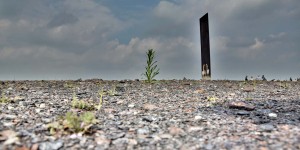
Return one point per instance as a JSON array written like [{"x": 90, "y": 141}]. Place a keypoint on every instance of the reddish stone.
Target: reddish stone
[{"x": 241, "y": 106}]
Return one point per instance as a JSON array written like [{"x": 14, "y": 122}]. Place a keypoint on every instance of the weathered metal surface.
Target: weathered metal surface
[{"x": 205, "y": 47}]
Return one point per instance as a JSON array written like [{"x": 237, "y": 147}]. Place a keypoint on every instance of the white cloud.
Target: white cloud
[
  {"x": 257, "y": 45},
  {"x": 251, "y": 52},
  {"x": 166, "y": 9},
  {"x": 84, "y": 5},
  {"x": 95, "y": 22},
  {"x": 279, "y": 35},
  {"x": 186, "y": 10},
  {"x": 165, "y": 47}
]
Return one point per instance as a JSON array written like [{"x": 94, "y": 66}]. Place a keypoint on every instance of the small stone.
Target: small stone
[
  {"x": 8, "y": 124},
  {"x": 150, "y": 107},
  {"x": 24, "y": 133},
  {"x": 102, "y": 141},
  {"x": 143, "y": 131},
  {"x": 243, "y": 112},
  {"x": 37, "y": 110},
  {"x": 51, "y": 145},
  {"x": 232, "y": 94},
  {"x": 261, "y": 120},
  {"x": 35, "y": 146},
  {"x": 132, "y": 142},
  {"x": 111, "y": 116},
  {"x": 187, "y": 83},
  {"x": 82, "y": 141},
  {"x": 164, "y": 90},
  {"x": 263, "y": 111},
  {"x": 165, "y": 136},
  {"x": 120, "y": 102},
  {"x": 109, "y": 110},
  {"x": 194, "y": 128},
  {"x": 198, "y": 118},
  {"x": 248, "y": 89},
  {"x": 122, "y": 81},
  {"x": 10, "y": 117},
  {"x": 18, "y": 99},
  {"x": 120, "y": 89},
  {"x": 135, "y": 112},
  {"x": 131, "y": 105},
  {"x": 42, "y": 106},
  {"x": 156, "y": 138},
  {"x": 9, "y": 136},
  {"x": 149, "y": 118},
  {"x": 73, "y": 136},
  {"x": 46, "y": 120},
  {"x": 91, "y": 147},
  {"x": 35, "y": 139},
  {"x": 116, "y": 135},
  {"x": 10, "y": 107},
  {"x": 175, "y": 131},
  {"x": 117, "y": 94},
  {"x": 272, "y": 115},
  {"x": 120, "y": 141},
  {"x": 267, "y": 127},
  {"x": 22, "y": 103},
  {"x": 209, "y": 146},
  {"x": 199, "y": 91}
]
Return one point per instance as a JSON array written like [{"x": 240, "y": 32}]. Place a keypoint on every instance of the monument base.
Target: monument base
[{"x": 206, "y": 78}]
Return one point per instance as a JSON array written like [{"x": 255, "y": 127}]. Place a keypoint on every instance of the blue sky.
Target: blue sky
[{"x": 108, "y": 39}]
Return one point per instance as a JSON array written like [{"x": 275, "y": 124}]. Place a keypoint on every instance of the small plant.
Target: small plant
[
  {"x": 88, "y": 118},
  {"x": 112, "y": 92},
  {"x": 151, "y": 68},
  {"x": 211, "y": 98},
  {"x": 74, "y": 100},
  {"x": 101, "y": 93},
  {"x": 254, "y": 84},
  {"x": 71, "y": 123},
  {"x": 81, "y": 104},
  {"x": 54, "y": 127},
  {"x": 284, "y": 85},
  {"x": 4, "y": 99},
  {"x": 69, "y": 85},
  {"x": 248, "y": 98}
]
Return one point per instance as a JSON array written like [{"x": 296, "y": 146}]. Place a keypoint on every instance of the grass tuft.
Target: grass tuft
[
  {"x": 72, "y": 123},
  {"x": 81, "y": 104},
  {"x": 101, "y": 93},
  {"x": 4, "y": 99}
]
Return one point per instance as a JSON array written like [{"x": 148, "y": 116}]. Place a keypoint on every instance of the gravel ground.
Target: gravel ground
[{"x": 173, "y": 114}]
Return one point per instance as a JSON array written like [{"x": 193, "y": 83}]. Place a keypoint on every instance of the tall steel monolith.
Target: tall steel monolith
[{"x": 205, "y": 48}]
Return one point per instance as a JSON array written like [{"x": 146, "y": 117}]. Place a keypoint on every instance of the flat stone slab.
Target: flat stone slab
[{"x": 241, "y": 106}]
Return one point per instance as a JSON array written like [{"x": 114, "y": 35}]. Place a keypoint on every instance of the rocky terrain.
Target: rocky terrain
[{"x": 173, "y": 114}]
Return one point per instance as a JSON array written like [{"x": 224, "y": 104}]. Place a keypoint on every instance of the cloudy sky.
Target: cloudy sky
[{"x": 108, "y": 39}]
